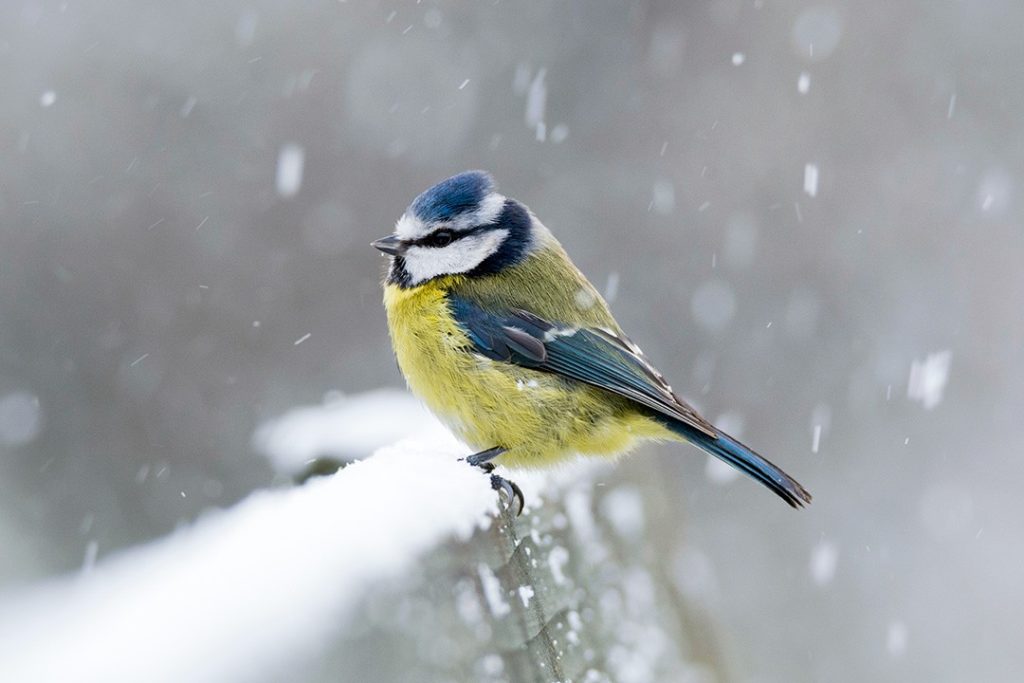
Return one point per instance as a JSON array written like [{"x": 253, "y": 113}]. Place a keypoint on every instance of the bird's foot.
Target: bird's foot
[{"x": 513, "y": 494}]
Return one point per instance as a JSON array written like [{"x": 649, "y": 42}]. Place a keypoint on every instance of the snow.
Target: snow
[
  {"x": 92, "y": 549},
  {"x": 536, "y": 103},
  {"x": 250, "y": 592},
  {"x": 525, "y": 595},
  {"x": 623, "y": 507},
  {"x": 663, "y": 198},
  {"x": 821, "y": 422},
  {"x": 611, "y": 288},
  {"x": 713, "y": 305},
  {"x": 994, "y": 192},
  {"x": 803, "y": 83},
  {"x": 559, "y": 133},
  {"x": 20, "y": 419},
  {"x": 738, "y": 58},
  {"x": 290, "y": 161},
  {"x": 492, "y": 665},
  {"x": 824, "y": 561},
  {"x": 811, "y": 180},
  {"x": 345, "y": 428},
  {"x": 928, "y": 378},
  {"x": 241, "y": 593},
  {"x": 432, "y": 18},
  {"x": 694, "y": 574},
  {"x": 245, "y": 29},
  {"x": 717, "y": 471},
  {"x": 896, "y": 638},
  {"x": 188, "y": 106},
  {"x": 584, "y": 299},
  {"x": 47, "y": 99},
  {"x": 492, "y": 592},
  {"x": 558, "y": 557},
  {"x": 467, "y": 603},
  {"x": 577, "y": 505}
]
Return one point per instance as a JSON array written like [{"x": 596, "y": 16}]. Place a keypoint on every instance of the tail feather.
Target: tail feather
[{"x": 729, "y": 450}]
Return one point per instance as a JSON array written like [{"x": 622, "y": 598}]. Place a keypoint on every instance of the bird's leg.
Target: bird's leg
[
  {"x": 513, "y": 493},
  {"x": 483, "y": 458}
]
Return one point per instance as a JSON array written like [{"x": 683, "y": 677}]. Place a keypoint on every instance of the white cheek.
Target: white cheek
[{"x": 424, "y": 263}]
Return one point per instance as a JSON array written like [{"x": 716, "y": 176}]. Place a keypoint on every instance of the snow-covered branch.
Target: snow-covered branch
[
  {"x": 395, "y": 564},
  {"x": 243, "y": 592}
]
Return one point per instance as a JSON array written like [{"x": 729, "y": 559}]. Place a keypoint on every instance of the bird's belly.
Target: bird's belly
[{"x": 539, "y": 417}]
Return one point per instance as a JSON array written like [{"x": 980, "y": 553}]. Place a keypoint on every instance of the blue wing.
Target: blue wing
[
  {"x": 606, "y": 359},
  {"x": 594, "y": 356}
]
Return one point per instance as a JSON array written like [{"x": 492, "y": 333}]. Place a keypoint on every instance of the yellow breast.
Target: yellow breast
[
  {"x": 463, "y": 389},
  {"x": 427, "y": 340}
]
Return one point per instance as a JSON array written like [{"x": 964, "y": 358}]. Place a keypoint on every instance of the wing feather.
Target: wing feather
[{"x": 595, "y": 356}]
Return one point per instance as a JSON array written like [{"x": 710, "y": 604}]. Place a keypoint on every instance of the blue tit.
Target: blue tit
[{"x": 506, "y": 341}]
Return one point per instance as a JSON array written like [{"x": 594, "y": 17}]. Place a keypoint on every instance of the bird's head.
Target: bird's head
[{"x": 459, "y": 226}]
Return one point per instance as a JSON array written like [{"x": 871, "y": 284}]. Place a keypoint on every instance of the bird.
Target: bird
[{"x": 517, "y": 353}]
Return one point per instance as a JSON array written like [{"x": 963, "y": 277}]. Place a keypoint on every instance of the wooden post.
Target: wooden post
[{"x": 582, "y": 587}]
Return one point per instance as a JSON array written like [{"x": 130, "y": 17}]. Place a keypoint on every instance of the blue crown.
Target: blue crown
[{"x": 449, "y": 198}]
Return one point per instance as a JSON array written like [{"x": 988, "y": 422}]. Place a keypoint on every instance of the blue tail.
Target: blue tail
[{"x": 729, "y": 450}]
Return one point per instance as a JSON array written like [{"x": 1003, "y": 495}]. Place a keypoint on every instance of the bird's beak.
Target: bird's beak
[{"x": 390, "y": 245}]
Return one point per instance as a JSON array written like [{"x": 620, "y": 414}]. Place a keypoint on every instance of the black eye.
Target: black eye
[{"x": 442, "y": 238}]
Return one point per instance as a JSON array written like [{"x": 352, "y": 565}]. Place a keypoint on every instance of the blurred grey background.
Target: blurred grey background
[{"x": 789, "y": 203}]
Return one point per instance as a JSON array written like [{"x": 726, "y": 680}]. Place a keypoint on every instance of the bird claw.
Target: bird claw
[
  {"x": 483, "y": 462},
  {"x": 513, "y": 493}
]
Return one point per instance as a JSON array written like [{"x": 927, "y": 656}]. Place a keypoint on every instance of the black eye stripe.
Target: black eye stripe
[{"x": 444, "y": 237}]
